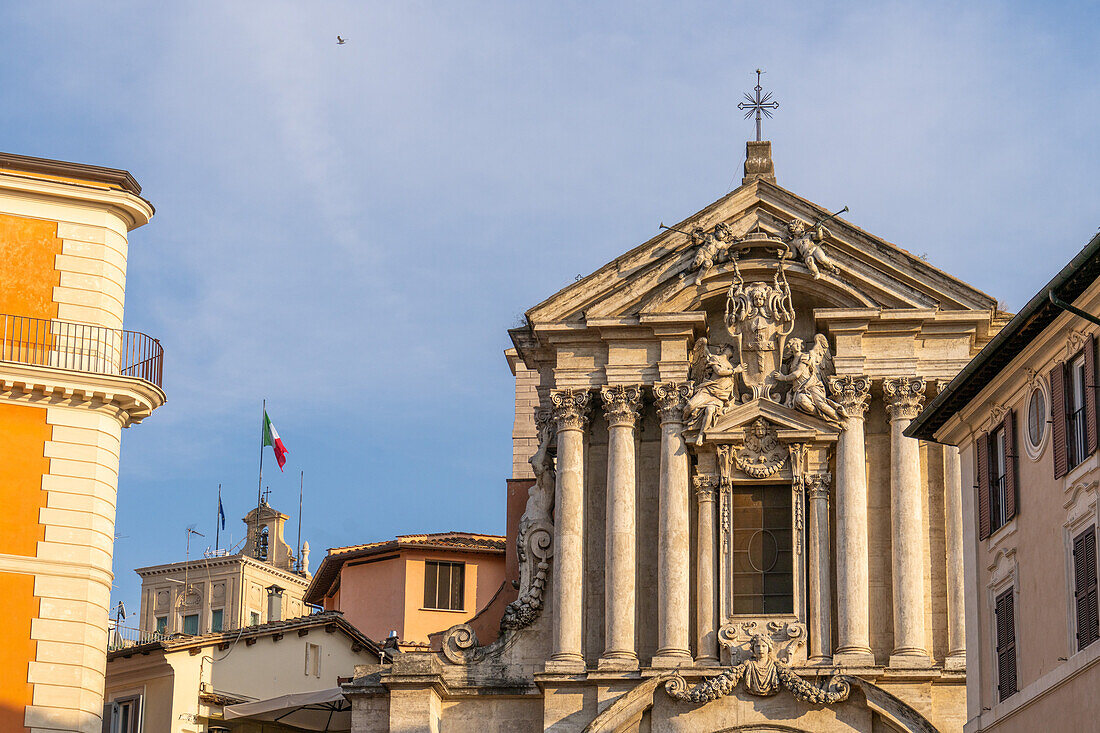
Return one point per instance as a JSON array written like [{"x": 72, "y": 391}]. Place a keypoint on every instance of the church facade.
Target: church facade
[{"x": 727, "y": 528}]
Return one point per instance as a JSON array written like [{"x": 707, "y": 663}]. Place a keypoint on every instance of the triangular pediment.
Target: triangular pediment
[
  {"x": 790, "y": 425},
  {"x": 658, "y": 277}
]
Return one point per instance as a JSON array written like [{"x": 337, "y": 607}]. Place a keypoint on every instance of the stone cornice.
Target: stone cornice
[
  {"x": 128, "y": 399},
  {"x": 227, "y": 560},
  {"x": 132, "y": 209}
]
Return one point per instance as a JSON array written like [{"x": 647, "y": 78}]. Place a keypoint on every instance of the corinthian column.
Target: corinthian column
[
  {"x": 569, "y": 414},
  {"x": 904, "y": 396},
  {"x": 706, "y": 623},
  {"x": 821, "y": 591},
  {"x": 673, "y": 543},
  {"x": 621, "y": 407},
  {"x": 852, "y": 565},
  {"x": 956, "y": 590}
]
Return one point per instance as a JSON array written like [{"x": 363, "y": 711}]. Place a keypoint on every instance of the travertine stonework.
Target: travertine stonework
[{"x": 746, "y": 352}]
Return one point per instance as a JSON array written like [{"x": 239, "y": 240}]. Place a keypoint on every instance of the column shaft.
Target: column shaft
[
  {"x": 956, "y": 588},
  {"x": 673, "y": 541},
  {"x": 903, "y": 402},
  {"x": 821, "y": 591},
  {"x": 569, "y": 414},
  {"x": 706, "y": 623},
  {"x": 852, "y": 558},
  {"x": 621, "y": 408}
]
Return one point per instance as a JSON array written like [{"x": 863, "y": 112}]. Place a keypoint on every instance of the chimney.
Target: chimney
[
  {"x": 274, "y": 603},
  {"x": 758, "y": 162}
]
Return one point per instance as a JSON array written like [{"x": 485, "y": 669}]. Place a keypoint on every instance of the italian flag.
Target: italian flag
[{"x": 271, "y": 437}]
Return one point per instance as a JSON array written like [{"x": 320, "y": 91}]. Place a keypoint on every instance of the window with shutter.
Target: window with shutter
[
  {"x": 1058, "y": 419},
  {"x": 998, "y": 472},
  {"x": 1077, "y": 423},
  {"x": 1085, "y": 588},
  {"x": 982, "y": 446},
  {"x": 1012, "y": 465},
  {"x": 1006, "y": 645},
  {"x": 1090, "y": 396}
]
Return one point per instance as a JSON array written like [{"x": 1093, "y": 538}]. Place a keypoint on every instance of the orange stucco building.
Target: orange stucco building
[
  {"x": 70, "y": 380},
  {"x": 413, "y": 584}
]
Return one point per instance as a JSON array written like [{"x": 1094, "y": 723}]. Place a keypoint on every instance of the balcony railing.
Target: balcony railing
[
  {"x": 124, "y": 637},
  {"x": 80, "y": 347}
]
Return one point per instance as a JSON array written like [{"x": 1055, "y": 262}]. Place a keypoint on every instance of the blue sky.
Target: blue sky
[{"x": 350, "y": 230}]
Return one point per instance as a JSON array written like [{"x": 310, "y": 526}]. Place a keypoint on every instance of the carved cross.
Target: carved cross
[{"x": 758, "y": 105}]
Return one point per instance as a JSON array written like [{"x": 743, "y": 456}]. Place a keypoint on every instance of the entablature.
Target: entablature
[{"x": 128, "y": 399}]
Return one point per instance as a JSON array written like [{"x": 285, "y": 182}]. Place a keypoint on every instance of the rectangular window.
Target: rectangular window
[
  {"x": 444, "y": 585},
  {"x": 1075, "y": 412},
  {"x": 999, "y": 472},
  {"x": 254, "y": 618},
  {"x": 1006, "y": 645},
  {"x": 126, "y": 715},
  {"x": 162, "y": 624},
  {"x": 191, "y": 624},
  {"x": 216, "y": 619},
  {"x": 1084, "y": 588},
  {"x": 763, "y": 577},
  {"x": 313, "y": 660}
]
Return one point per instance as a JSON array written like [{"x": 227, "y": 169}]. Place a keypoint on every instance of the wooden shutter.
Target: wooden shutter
[
  {"x": 1058, "y": 419},
  {"x": 1085, "y": 590},
  {"x": 1090, "y": 395},
  {"x": 1006, "y": 645},
  {"x": 982, "y": 451},
  {"x": 1011, "y": 465}
]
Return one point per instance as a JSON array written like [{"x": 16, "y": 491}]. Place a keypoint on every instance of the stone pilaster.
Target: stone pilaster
[
  {"x": 956, "y": 588},
  {"x": 821, "y": 591},
  {"x": 904, "y": 397},
  {"x": 673, "y": 541},
  {"x": 569, "y": 412},
  {"x": 852, "y": 554},
  {"x": 621, "y": 407},
  {"x": 706, "y": 619}
]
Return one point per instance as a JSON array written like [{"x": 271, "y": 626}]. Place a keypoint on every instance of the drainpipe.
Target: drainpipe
[{"x": 1059, "y": 303}]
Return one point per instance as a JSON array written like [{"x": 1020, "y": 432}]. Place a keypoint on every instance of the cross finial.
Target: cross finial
[{"x": 758, "y": 105}]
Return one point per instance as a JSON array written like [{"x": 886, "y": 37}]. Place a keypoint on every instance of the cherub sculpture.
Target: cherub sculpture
[
  {"x": 807, "y": 244},
  {"x": 807, "y": 372},
  {"x": 713, "y": 248},
  {"x": 714, "y": 377}
]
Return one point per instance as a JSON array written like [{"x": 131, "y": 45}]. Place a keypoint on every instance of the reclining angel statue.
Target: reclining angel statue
[{"x": 807, "y": 371}]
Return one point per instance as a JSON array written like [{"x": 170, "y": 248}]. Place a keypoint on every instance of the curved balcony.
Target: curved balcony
[{"x": 81, "y": 347}]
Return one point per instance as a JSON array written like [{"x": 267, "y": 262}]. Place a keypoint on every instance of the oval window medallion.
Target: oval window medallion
[{"x": 1035, "y": 431}]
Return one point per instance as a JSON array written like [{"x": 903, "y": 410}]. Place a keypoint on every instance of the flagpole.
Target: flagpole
[
  {"x": 259, "y": 484},
  {"x": 301, "y": 487},
  {"x": 218, "y": 521}
]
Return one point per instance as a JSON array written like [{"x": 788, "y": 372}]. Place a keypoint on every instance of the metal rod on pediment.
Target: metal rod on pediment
[
  {"x": 301, "y": 488},
  {"x": 259, "y": 484}
]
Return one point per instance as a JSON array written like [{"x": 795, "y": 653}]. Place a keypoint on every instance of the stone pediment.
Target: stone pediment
[
  {"x": 789, "y": 425},
  {"x": 662, "y": 276}
]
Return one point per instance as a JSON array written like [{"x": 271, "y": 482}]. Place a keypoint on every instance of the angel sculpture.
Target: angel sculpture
[
  {"x": 807, "y": 244},
  {"x": 806, "y": 371},
  {"x": 713, "y": 248},
  {"x": 715, "y": 386}
]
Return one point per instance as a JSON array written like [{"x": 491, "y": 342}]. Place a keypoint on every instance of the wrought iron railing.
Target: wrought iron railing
[
  {"x": 1075, "y": 437},
  {"x": 81, "y": 347},
  {"x": 124, "y": 637}
]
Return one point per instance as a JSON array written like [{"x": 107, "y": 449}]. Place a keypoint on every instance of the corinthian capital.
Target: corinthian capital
[
  {"x": 621, "y": 404},
  {"x": 904, "y": 396},
  {"x": 817, "y": 484},
  {"x": 671, "y": 399},
  {"x": 570, "y": 408},
  {"x": 705, "y": 486},
  {"x": 853, "y": 392}
]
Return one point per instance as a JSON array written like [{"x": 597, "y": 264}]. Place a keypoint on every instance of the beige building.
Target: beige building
[
  {"x": 1023, "y": 415},
  {"x": 71, "y": 378},
  {"x": 264, "y": 582},
  {"x": 727, "y": 527},
  {"x": 185, "y": 684}
]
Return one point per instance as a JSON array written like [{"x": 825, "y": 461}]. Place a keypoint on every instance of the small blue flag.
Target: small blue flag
[{"x": 221, "y": 512}]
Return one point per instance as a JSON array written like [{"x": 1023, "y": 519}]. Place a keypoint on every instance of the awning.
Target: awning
[{"x": 324, "y": 710}]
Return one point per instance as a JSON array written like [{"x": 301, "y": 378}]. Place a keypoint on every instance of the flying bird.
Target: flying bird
[{"x": 340, "y": 41}]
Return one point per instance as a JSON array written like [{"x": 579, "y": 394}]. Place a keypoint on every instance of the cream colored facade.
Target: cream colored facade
[
  {"x": 68, "y": 386},
  {"x": 183, "y": 685},
  {"x": 239, "y": 590},
  {"x": 1030, "y": 557},
  {"x": 745, "y": 377}
]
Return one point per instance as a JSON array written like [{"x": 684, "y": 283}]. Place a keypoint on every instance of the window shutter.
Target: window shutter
[
  {"x": 1011, "y": 464},
  {"x": 1090, "y": 395},
  {"x": 1006, "y": 645},
  {"x": 983, "y": 485},
  {"x": 1085, "y": 590},
  {"x": 1058, "y": 419}
]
